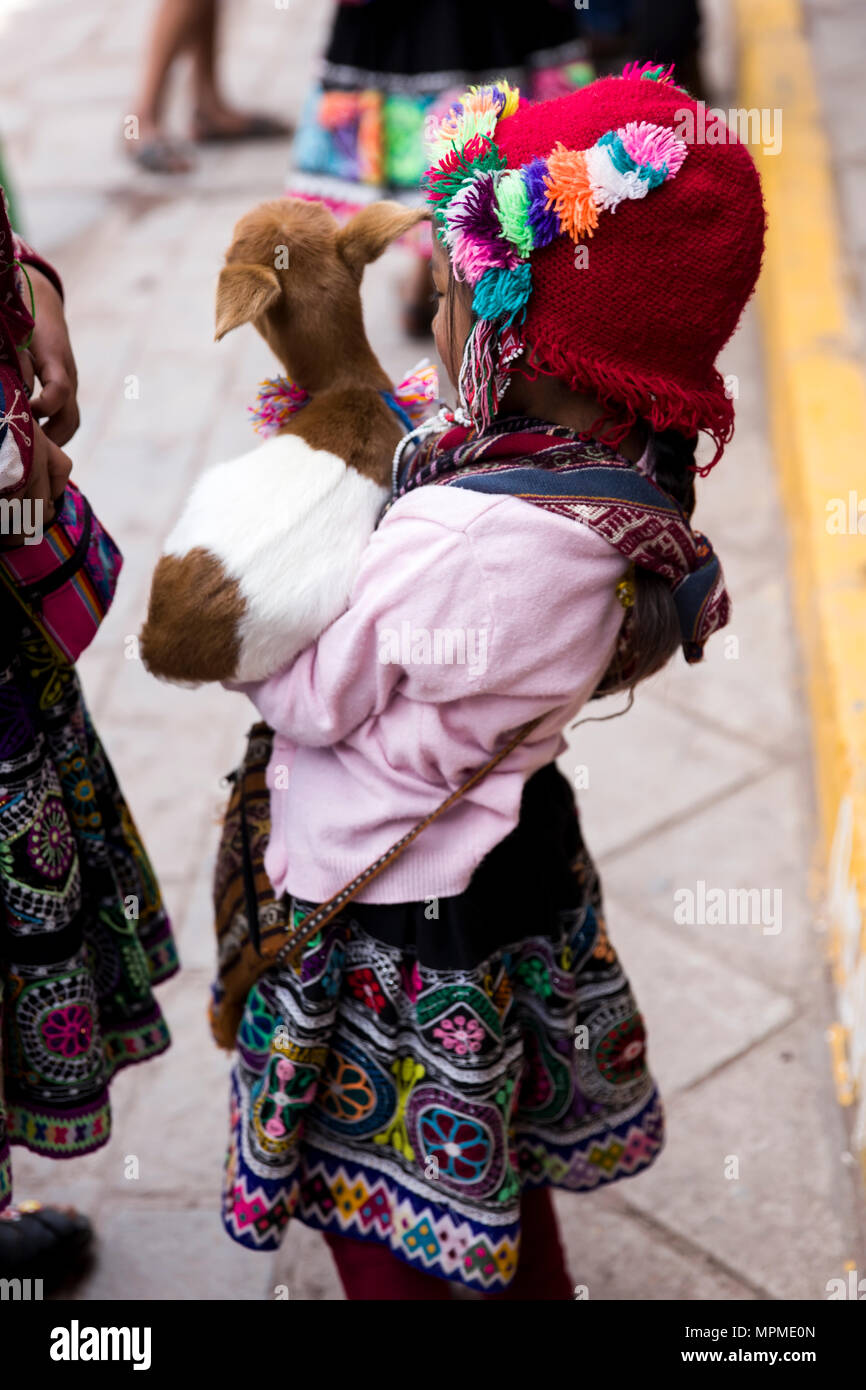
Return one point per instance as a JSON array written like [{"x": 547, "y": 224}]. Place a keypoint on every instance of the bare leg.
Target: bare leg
[
  {"x": 174, "y": 30},
  {"x": 207, "y": 99},
  {"x": 189, "y": 26},
  {"x": 213, "y": 117}
]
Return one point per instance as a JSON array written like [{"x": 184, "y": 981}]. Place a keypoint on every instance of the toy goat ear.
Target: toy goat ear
[
  {"x": 244, "y": 292},
  {"x": 365, "y": 236}
]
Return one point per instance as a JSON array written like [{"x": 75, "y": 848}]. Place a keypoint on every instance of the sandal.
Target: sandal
[
  {"x": 252, "y": 127},
  {"x": 47, "y": 1243},
  {"x": 160, "y": 155}
]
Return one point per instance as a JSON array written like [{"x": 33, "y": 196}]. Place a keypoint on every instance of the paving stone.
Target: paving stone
[
  {"x": 750, "y": 681},
  {"x": 838, "y": 41},
  {"x": 147, "y": 1252},
  {"x": 54, "y": 157},
  {"x": 838, "y": 45},
  {"x": 195, "y": 922},
  {"x": 182, "y": 796},
  {"x": 78, "y": 1184},
  {"x": 738, "y": 504},
  {"x": 106, "y": 82},
  {"x": 783, "y": 1221},
  {"x": 53, "y": 219},
  {"x": 838, "y": 98},
  {"x": 612, "y": 1254},
  {"x": 175, "y": 1126},
  {"x": 667, "y": 764},
  {"x": 304, "y": 1266},
  {"x": 759, "y": 837},
  {"x": 720, "y": 1012},
  {"x": 54, "y": 30},
  {"x": 125, "y": 40}
]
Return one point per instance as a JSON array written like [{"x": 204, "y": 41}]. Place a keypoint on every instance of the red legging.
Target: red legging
[{"x": 370, "y": 1271}]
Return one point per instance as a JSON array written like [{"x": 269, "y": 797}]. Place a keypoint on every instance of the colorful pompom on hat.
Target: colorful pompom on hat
[{"x": 603, "y": 245}]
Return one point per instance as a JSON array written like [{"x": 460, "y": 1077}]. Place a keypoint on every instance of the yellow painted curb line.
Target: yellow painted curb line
[{"x": 818, "y": 413}]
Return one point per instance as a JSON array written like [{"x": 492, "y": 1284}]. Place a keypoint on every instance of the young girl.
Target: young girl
[{"x": 462, "y": 1038}]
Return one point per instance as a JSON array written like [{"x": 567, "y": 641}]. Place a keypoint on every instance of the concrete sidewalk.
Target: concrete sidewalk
[
  {"x": 706, "y": 781},
  {"x": 800, "y": 57}
]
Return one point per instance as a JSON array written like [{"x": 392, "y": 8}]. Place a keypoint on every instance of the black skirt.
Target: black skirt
[
  {"x": 528, "y": 876},
  {"x": 436, "y": 38}
]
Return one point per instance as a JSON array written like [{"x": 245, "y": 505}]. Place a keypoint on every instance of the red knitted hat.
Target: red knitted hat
[{"x": 637, "y": 289}]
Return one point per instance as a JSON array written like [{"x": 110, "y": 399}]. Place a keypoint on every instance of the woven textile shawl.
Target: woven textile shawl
[{"x": 548, "y": 466}]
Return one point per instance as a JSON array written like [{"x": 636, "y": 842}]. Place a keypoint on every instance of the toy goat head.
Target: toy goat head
[{"x": 295, "y": 273}]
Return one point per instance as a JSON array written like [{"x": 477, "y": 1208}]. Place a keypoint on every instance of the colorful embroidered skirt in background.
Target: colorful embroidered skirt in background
[
  {"x": 389, "y": 64},
  {"x": 83, "y": 934},
  {"x": 415, "y": 1074}
]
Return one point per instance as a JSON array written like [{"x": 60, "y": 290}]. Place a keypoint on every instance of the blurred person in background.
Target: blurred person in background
[
  {"x": 387, "y": 67},
  {"x": 620, "y": 30},
  {"x": 189, "y": 27}
]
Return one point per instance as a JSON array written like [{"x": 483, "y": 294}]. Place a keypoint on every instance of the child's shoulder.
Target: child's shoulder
[
  {"x": 508, "y": 536},
  {"x": 497, "y": 518},
  {"x": 455, "y": 508}
]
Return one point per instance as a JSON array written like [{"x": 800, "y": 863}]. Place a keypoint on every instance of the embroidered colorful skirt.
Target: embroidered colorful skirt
[
  {"x": 389, "y": 64},
  {"x": 415, "y": 1074},
  {"x": 83, "y": 934}
]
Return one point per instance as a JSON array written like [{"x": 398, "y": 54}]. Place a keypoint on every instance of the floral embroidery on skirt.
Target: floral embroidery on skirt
[
  {"x": 381, "y": 1098},
  {"x": 83, "y": 933}
]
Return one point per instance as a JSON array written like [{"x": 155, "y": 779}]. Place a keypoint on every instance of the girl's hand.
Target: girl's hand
[
  {"x": 46, "y": 481},
  {"x": 54, "y": 362}
]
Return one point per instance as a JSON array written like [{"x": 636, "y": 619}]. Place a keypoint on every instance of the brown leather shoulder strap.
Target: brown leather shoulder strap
[{"x": 298, "y": 936}]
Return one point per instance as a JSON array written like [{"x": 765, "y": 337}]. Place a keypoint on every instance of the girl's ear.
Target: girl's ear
[
  {"x": 244, "y": 292},
  {"x": 365, "y": 236}
]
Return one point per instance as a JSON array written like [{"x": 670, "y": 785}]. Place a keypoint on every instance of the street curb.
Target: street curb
[{"x": 817, "y": 399}]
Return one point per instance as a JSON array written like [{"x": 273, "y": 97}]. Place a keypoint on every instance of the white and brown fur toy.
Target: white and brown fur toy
[{"x": 266, "y": 549}]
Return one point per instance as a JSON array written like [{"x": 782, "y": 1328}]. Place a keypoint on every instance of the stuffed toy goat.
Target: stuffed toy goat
[{"x": 266, "y": 550}]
